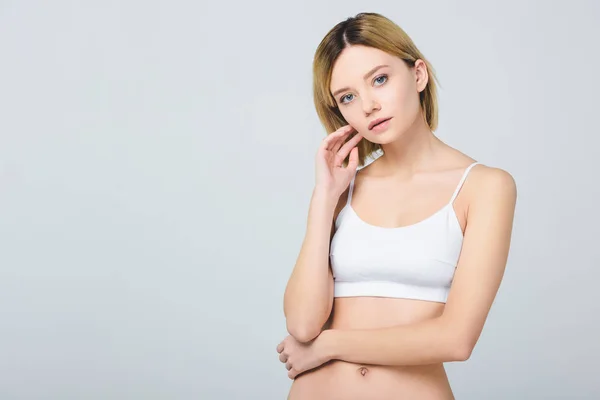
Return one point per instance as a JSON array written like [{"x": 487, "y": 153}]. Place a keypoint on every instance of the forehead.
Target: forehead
[{"x": 355, "y": 61}]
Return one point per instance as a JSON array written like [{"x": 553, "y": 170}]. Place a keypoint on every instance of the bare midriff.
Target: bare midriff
[{"x": 341, "y": 380}]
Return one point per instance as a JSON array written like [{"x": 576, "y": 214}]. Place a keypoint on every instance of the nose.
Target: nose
[{"x": 369, "y": 104}]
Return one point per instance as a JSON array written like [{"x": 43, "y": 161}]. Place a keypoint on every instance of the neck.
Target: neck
[{"x": 414, "y": 151}]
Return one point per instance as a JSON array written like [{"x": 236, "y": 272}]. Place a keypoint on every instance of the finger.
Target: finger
[
  {"x": 335, "y": 146},
  {"x": 288, "y": 366},
  {"x": 330, "y": 141},
  {"x": 280, "y": 347},
  {"x": 353, "y": 160},
  {"x": 283, "y": 357},
  {"x": 349, "y": 145},
  {"x": 292, "y": 374},
  {"x": 342, "y": 129}
]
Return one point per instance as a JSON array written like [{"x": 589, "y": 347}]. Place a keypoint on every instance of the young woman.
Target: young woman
[{"x": 403, "y": 257}]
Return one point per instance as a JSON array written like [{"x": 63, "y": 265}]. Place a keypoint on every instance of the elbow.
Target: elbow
[
  {"x": 462, "y": 353},
  {"x": 461, "y": 350},
  {"x": 303, "y": 332},
  {"x": 459, "y": 343}
]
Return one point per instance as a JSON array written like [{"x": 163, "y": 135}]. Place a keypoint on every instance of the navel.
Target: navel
[{"x": 363, "y": 371}]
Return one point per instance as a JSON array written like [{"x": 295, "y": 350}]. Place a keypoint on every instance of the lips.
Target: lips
[{"x": 377, "y": 122}]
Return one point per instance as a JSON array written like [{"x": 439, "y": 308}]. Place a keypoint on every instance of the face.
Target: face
[{"x": 390, "y": 91}]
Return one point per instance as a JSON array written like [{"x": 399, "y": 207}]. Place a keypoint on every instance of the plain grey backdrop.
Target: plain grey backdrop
[{"x": 157, "y": 161}]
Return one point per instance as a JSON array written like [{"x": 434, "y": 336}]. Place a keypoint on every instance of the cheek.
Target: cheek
[
  {"x": 351, "y": 114},
  {"x": 405, "y": 103}
]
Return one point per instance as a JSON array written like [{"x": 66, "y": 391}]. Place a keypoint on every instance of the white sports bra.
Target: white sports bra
[{"x": 415, "y": 261}]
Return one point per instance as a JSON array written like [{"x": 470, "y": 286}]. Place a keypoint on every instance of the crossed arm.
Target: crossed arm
[{"x": 453, "y": 335}]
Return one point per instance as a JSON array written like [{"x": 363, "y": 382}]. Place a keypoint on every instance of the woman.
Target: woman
[{"x": 402, "y": 258}]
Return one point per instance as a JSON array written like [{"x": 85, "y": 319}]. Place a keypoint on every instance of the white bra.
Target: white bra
[{"x": 415, "y": 261}]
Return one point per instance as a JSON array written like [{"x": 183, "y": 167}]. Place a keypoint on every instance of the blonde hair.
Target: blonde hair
[{"x": 372, "y": 30}]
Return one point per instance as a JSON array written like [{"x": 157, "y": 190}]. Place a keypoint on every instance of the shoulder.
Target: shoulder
[
  {"x": 486, "y": 179},
  {"x": 491, "y": 187}
]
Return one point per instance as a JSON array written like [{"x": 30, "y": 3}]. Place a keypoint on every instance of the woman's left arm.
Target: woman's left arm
[{"x": 453, "y": 335}]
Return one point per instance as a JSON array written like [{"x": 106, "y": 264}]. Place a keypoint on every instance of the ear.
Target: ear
[{"x": 421, "y": 75}]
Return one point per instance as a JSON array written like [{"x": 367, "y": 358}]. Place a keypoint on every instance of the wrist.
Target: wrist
[
  {"x": 323, "y": 204},
  {"x": 322, "y": 194},
  {"x": 326, "y": 342}
]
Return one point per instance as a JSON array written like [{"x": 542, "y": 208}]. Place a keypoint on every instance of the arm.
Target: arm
[
  {"x": 453, "y": 335},
  {"x": 308, "y": 297}
]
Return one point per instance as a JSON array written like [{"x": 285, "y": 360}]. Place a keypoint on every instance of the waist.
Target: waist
[
  {"x": 348, "y": 381},
  {"x": 339, "y": 379},
  {"x": 389, "y": 289}
]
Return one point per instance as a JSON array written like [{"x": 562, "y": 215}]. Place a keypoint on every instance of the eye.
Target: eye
[
  {"x": 374, "y": 80},
  {"x": 381, "y": 76},
  {"x": 342, "y": 99}
]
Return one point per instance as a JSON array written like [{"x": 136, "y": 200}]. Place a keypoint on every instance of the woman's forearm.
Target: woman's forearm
[
  {"x": 308, "y": 296},
  {"x": 428, "y": 342}
]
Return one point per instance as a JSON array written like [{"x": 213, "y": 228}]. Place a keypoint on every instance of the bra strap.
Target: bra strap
[{"x": 462, "y": 180}]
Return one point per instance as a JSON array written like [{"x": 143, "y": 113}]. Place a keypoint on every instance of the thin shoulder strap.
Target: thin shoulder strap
[
  {"x": 462, "y": 180},
  {"x": 351, "y": 188}
]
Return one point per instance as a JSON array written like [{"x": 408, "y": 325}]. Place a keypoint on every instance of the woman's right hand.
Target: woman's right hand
[{"x": 331, "y": 176}]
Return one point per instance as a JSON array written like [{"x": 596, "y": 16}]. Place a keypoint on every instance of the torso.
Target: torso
[{"x": 348, "y": 381}]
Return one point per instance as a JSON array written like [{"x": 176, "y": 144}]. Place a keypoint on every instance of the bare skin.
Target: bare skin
[
  {"x": 413, "y": 179},
  {"x": 428, "y": 191}
]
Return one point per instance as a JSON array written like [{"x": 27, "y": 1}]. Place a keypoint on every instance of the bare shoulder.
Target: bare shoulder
[
  {"x": 491, "y": 185},
  {"x": 486, "y": 178},
  {"x": 483, "y": 177}
]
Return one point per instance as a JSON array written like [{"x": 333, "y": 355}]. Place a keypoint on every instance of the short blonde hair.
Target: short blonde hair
[{"x": 372, "y": 30}]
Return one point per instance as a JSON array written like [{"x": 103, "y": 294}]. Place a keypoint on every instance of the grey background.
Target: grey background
[{"x": 156, "y": 164}]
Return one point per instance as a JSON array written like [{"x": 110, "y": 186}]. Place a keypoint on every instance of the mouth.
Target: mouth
[{"x": 377, "y": 122}]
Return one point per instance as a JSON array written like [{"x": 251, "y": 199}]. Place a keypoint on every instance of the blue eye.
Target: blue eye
[
  {"x": 382, "y": 76},
  {"x": 376, "y": 79},
  {"x": 342, "y": 99}
]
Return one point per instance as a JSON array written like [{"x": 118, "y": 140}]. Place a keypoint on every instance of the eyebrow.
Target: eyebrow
[{"x": 371, "y": 72}]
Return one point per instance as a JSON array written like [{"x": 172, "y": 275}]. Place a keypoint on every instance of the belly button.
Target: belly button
[{"x": 363, "y": 371}]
